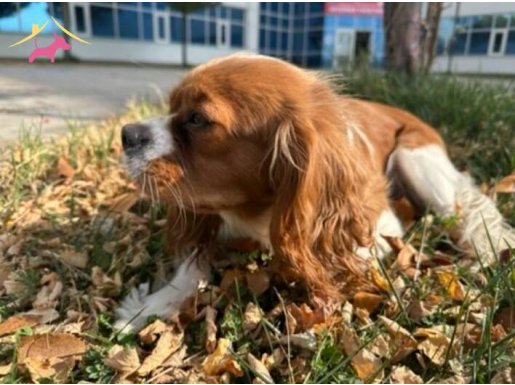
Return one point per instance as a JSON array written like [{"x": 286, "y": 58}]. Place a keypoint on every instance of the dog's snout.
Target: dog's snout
[{"x": 135, "y": 136}]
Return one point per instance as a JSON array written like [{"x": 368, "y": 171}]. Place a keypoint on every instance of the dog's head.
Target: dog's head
[{"x": 251, "y": 132}]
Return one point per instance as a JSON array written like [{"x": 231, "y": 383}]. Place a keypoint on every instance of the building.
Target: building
[
  {"x": 477, "y": 38},
  {"x": 473, "y": 37}
]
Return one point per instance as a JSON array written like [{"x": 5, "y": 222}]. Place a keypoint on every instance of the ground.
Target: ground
[
  {"x": 75, "y": 237},
  {"x": 49, "y": 96}
]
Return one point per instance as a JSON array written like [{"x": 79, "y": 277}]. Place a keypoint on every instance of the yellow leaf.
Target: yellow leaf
[
  {"x": 210, "y": 329},
  {"x": 449, "y": 281},
  {"x": 367, "y": 301},
  {"x": 50, "y": 345},
  {"x": 16, "y": 322},
  {"x": 168, "y": 343},
  {"x": 221, "y": 361},
  {"x": 402, "y": 342},
  {"x": 251, "y": 317},
  {"x": 53, "y": 367},
  {"x": 506, "y": 185},
  {"x": 367, "y": 364},
  {"x": 403, "y": 375}
]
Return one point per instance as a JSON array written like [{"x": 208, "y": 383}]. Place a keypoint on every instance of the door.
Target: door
[
  {"x": 362, "y": 48},
  {"x": 161, "y": 27},
  {"x": 497, "y": 44},
  {"x": 223, "y": 35},
  {"x": 80, "y": 19},
  {"x": 344, "y": 47}
]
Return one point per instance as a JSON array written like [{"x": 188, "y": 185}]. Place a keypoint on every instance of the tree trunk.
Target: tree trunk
[
  {"x": 402, "y": 22},
  {"x": 184, "y": 39},
  {"x": 66, "y": 23},
  {"x": 431, "y": 24}
]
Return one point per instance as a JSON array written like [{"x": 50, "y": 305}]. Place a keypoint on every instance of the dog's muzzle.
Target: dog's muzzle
[{"x": 135, "y": 137}]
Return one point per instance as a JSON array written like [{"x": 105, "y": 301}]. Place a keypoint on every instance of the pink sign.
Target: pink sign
[{"x": 369, "y": 9}]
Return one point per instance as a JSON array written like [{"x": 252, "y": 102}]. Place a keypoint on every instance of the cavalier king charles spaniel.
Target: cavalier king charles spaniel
[{"x": 255, "y": 148}]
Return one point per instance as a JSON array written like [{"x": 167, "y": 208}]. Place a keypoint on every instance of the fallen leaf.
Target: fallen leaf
[
  {"x": 506, "y": 185},
  {"x": 210, "y": 329},
  {"x": 403, "y": 375},
  {"x": 151, "y": 332},
  {"x": 504, "y": 376},
  {"x": 124, "y": 202},
  {"x": 435, "y": 348},
  {"x": 402, "y": 342},
  {"x": 221, "y": 361},
  {"x": 16, "y": 322},
  {"x": 58, "y": 369},
  {"x": 450, "y": 282},
  {"x": 168, "y": 343},
  {"x": 379, "y": 280},
  {"x": 50, "y": 345},
  {"x": 252, "y": 317},
  {"x": 124, "y": 359},
  {"x": 367, "y": 365},
  {"x": 259, "y": 369},
  {"x": 64, "y": 168},
  {"x": 258, "y": 282},
  {"x": 306, "y": 340},
  {"x": 367, "y": 301},
  {"x": 5, "y": 369},
  {"x": 74, "y": 258}
]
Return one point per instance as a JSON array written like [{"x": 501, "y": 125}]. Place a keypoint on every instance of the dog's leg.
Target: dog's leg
[
  {"x": 387, "y": 224},
  {"x": 430, "y": 179},
  {"x": 139, "y": 305}
]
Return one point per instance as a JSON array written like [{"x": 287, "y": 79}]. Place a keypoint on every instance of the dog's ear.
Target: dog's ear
[{"x": 321, "y": 212}]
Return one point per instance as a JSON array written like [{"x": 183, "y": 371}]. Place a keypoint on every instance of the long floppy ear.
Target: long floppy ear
[{"x": 321, "y": 214}]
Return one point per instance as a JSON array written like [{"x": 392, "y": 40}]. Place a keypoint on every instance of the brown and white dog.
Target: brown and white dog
[{"x": 254, "y": 147}]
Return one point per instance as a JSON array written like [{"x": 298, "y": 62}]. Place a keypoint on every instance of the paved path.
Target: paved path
[{"x": 47, "y": 96}]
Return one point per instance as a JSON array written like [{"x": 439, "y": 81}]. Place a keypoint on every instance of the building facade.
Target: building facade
[{"x": 473, "y": 37}]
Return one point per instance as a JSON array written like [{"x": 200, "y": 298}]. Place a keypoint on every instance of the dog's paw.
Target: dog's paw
[{"x": 137, "y": 306}]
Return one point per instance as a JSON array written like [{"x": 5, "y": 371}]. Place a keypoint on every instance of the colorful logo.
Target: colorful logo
[{"x": 51, "y": 49}]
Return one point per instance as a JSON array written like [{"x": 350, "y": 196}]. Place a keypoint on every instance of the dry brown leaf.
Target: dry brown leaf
[
  {"x": 210, "y": 329},
  {"x": 49, "y": 293},
  {"x": 506, "y": 185},
  {"x": 57, "y": 345},
  {"x": 504, "y": 376},
  {"x": 506, "y": 317},
  {"x": 435, "y": 348},
  {"x": 124, "y": 202},
  {"x": 104, "y": 284},
  {"x": 5, "y": 369},
  {"x": 367, "y": 301},
  {"x": 450, "y": 282},
  {"x": 221, "y": 361},
  {"x": 151, "y": 332},
  {"x": 420, "y": 309},
  {"x": 379, "y": 280},
  {"x": 403, "y": 375},
  {"x": 252, "y": 317},
  {"x": 124, "y": 359},
  {"x": 380, "y": 345},
  {"x": 367, "y": 366},
  {"x": 168, "y": 343},
  {"x": 260, "y": 370},
  {"x": 16, "y": 322},
  {"x": 402, "y": 342},
  {"x": 258, "y": 282},
  {"x": 64, "y": 168},
  {"x": 348, "y": 339},
  {"x": 304, "y": 317},
  {"x": 74, "y": 258},
  {"x": 58, "y": 369}
]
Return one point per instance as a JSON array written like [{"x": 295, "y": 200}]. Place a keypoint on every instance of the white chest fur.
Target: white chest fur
[{"x": 255, "y": 227}]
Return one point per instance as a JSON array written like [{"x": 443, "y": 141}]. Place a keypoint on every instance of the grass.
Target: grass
[{"x": 71, "y": 249}]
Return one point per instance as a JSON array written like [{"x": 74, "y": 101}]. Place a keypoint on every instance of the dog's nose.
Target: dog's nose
[{"x": 135, "y": 136}]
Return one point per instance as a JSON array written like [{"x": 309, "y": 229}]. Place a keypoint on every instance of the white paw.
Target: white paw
[{"x": 137, "y": 306}]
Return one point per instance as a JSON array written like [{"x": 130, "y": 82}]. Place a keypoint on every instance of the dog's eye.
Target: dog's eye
[{"x": 196, "y": 120}]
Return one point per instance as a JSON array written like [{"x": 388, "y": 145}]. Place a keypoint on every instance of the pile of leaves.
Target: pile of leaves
[{"x": 76, "y": 236}]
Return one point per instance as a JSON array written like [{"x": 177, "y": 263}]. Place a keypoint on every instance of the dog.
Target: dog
[
  {"x": 254, "y": 147},
  {"x": 50, "y": 50}
]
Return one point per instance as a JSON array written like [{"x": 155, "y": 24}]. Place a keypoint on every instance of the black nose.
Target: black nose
[{"x": 135, "y": 136}]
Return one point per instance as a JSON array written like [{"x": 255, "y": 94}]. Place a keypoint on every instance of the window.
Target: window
[
  {"x": 148, "y": 26},
  {"x": 274, "y": 7},
  {"x": 273, "y": 21},
  {"x": 510, "y": 43},
  {"x": 102, "y": 21},
  {"x": 285, "y": 8},
  {"x": 211, "y": 36},
  {"x": 316, "y": 7},
  {"x": 501, "y": 21},
  {"x": 314, "y": 61},
  {"x": 299, "y": 8},
  {"x": 198, "y": 31},
  {"x": 498, "y": 42},
  {"x": 273, "y": 40},
  {"x": 236, "y": 14},
  {"x": 262, "y": 38},
  {"x": 284, "y": 41},
  {"x": 262, "y": 19},
  {"x": 314, "y": 40},
  {"x": 484, "y": 21},
  {"x": 176, "y": 29},
  {"x": 458, "y": 43},
  {"x": 128, "y": 24},
  {"x": 80, "y": 19},
  {"x": 297, "y": 41},
  {"x": 285, "y": 23},
  {"x": 479, "y": 43},
  {"x": 316, "y": 21},
  {"x": 236, "y": 36}
]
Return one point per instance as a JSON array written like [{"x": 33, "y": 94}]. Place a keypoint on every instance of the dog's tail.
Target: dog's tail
[
  {"x": 430, "y": 178},
  {"x": 483, "y": 226}
]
